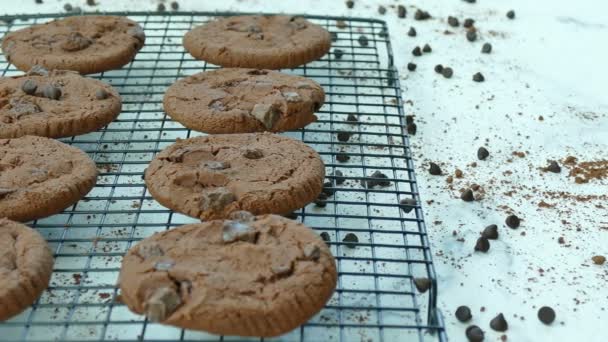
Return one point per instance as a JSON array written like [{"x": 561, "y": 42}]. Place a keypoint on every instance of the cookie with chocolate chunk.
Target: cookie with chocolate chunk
[
  {"x": 41, "y": 176},
  {"x": 86, "y": 44},
  {"x": 256, "y": 41},
  {"x": 26, "y": 264},
  {"x": 234, "y": 100},
  {"x": 55, "y": 104},
  {"x": 212, "y": 176},
  {"x": 262, "y": 276}
]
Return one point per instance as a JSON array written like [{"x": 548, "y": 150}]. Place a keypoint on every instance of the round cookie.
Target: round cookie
[
  {"x": 41, "y": 177},
  {"x": 209, "y": 177},
  {"x": 26, "y": 264},
  {"x": 255, "y": 276},
  {"x": 255, "y": 41},
  {"x": 55, "y": 104},
  {"x": 87, "y": 44},
  {"x": 235, "y": 100}
]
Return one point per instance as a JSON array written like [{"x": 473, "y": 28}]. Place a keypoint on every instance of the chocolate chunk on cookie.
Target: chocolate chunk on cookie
[
  {"x": 86, "y": 44},
  {"x": 234, "y": 100},
  {"x": 55, "y": 104},
  {"x": 256, "y": 41},
  {"x": 185, "y": 176},
  {"x": 26, "y": 264},
  {"x": 40, "y": 177},
  {"x": 263, "y": 278}
]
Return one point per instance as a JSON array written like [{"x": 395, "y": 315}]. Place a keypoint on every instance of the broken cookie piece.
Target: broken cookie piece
[
  {"x": 216, "y": 199},
  {"x": 266, "y": 114},
  {"x": 161, "y": 304},
  {"x": 238, "y": 231}
]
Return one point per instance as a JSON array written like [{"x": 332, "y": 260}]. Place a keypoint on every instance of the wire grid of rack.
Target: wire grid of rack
[{"x": 376, "y": 299}]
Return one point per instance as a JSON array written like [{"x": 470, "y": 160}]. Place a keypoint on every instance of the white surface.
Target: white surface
[{"x": 549, "y": 61}]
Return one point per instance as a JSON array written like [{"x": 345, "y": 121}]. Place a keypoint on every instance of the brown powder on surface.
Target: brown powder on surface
[{"x": 583, "y": 172}]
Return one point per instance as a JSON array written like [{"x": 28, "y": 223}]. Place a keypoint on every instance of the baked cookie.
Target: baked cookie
[
  {"x": 26, "y": 264},
  {"x": 255, "y": 41},
  {"x": 253, "y": 276},
  {"x": 210, "y": 177},
  {"x": 235, "y": 100},
  {"x": 55, "y": 104},
  {"x": 87, "y": 44},
  {"x": 41, "y": 176}
]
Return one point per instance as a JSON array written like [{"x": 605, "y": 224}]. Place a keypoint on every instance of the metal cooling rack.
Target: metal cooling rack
[{"x": 375, "y": 300}]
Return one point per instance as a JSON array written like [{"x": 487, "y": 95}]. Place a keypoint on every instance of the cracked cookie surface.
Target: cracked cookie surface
[
  {"x": 255, "y": 41},
  {"x": 26, "y": 264},
  {"x": 40, "y": 177},
  {"x": 235, "y": 100},
  {"x": 55, "y": 104},
  {"x": 86, "y": 44},
  {"x": 212, "y": 176},
  {"x": 260, "y": 276}
]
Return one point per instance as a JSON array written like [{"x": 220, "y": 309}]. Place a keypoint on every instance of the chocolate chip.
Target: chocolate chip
[
  {"x": 320, "y": 203},
  {"x": 312, "y": 252},
  {"x": 426, "y": 48},
  {"x": 338, "y": 53},
  {"x": 411, "y": 66},
  {"x": 38, "y": 2},
  {"x": 546, "y": 315},
  {"x": 447, "y": 72},
  {"x": 439, "y": 68},
  {"x": 482, "y": 245},
  {"x": 342, "y": 157},
  {"x": 363, "y": 41},
  {"x": 265, "y": 113},
  {"x": 174, "y": 5},
  {"x": 327, "y": 189},
  {"x": 161, "y": 304},
  {"x": 417, "y": 52},
  {"x": 411, "y": 32},
  {"x": 468, "y": 23},
  {"x": 253, "y": 153},
  {"x": 486, "y": 48},
  {"x": 422, "y": 284},
  {"x": 401, "y": 11},
  {"x": 29, "y": 87},
  {"x": 422, "y": 15},
  {"x": 499, "y": 323},
  {"x": 343, "y": 136},
  {"x": 5, "y": 191},
  {"x": 216, "y": 199},
  {"x": 68, "y": 7},
  {"x": 474, "y": 334},
  {"x": 352, "y": 118},
  {"x": 238, "y": 231},
  {"x": 511, "y": 14},
  {"x": 161, "y": 7},
  {"x": 470, "y": 1},
  {"x": 409, "y": 119},
  {"x": 214, "y": 165},
  {"x": 453, "y": 21},
  {"x": 164, "y": 265},
  {"x": 472, "y": 35},
  {"x": 512, "y": 221},
  {"x": 51, "y": 92},
  {"x": 242, "y": 216},
  {"x": 75, "y": 42},
  {"x": 101, "y": 94},
  {"x": 463, "y": 313},
  {"x": 434, "y": 169},
  {"x": 407, "y": 205},
  {"x": 482, "y": 153},
  {"x": 478, "y": 77},
  {"x": 380, "y": 181},
  {"x": 490, "y": 232},
  {"x": 350, "y": 4},
  {"x": 411, "y": 129},
  {"x": 381, "y": 10},
  {"x": 91, "y": 3},
  {"x": 597, "y": 259},
  {"x": 553, "y": 167},
  {"x": 350, "y": 240},
  {"x": 339, "y": 177},
  {"x": 383, "y": 33},
  {"x": 467, "y": 196},
  {"x": 325, "y": 236},
  {"x": 334, "y": 36},
  {"x": 292, "y": 215}
]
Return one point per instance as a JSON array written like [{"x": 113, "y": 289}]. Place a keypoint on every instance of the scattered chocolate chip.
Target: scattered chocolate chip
[
  {"x": 343, "y": 136},
  {"x": 499, "y": 323},
  {"x": 401, "y": 11},
  {"x": 463, "y": 314},
  {"x": 101, "y": 94},
  {"x": 486, "y": 48},
  {"x": 434, "y": 169},
  {"x": 325, "y": 236},
  {"x": 352, "y": 118},
  {"x": 350, "y": 240},
  {"x": 411, "y": 129},
  {"x": 322, "y": 196},
  {"x": 339, "y": 177},
  {"x": 29, "y": 87},
  {"x": 439, "y": 68},
  {"x": 447, "y": 72},
  {"x": 380, "y": 181},
  {"x": 174, "y": 5},
  {"x": 468, "y": 23},
  {"x": 490, "y": 232},
  {"x": 407, "y": 205},
  {"x": 411, "y": 66},
  {"x": 363, "y": 41},
  {"x": 474, "y": 334},
  {"x": 91, "y": 3},
  {"x": 334, "y": 36},
  {"x": 546, "y": 315},
  {"x": 68, "y": 7},
  {"x": 422, "y": 15},
  {"x": 561, "y": 240},
  {"x": 38, "y": 2},
  {"x": 411, "y": 32},
  {"x": 482, "y": 153},
  {"x": 511, "y": 14},
  {"x": 338, "y": 53},
  {"x": 161, "y": 7},
  {"x": 327, "y": 189},
  {"x": 320, "y": 203},
  {"x": 458, "y": 173},
  {"x": 482, "y": 245},
  {"x": 478, "y": 77},
  {"x": 350, "y": 4},
  {"x": 512, "y": 221},
  {"x": 472, "y": 35},
  {"x": 470, "y": 1},
  {"x": 598, "y": 259},
  {"x": 422, "y": 284},
  {"x": 51, "y": 92},
  {"x": 467, "y": 196},
  {"x": 553, "y": 167},
  {"x": 342, "y": 157},
  {"x": 312, "y": 251},
  {"x": 409, "y": 119},
  {"x": 417, "y": 51},
  {"x": 381, "y": 10},
  {"x": 426, "y": 48},
  {"x": 453, "y": 21}
]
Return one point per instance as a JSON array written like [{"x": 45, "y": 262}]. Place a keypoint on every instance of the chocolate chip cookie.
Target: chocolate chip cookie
[
  {"x": 41, "y": 176},
  {"x": 55, "y": 104},
  {"x": 210, "y": 177},
  {"x": 235, "y": 100},
  {"x": 86, "y": 44},
  {"x": 255, "y": 41},
  {"x": 26, "y": 264},
  {"x": 250, "y": 276}
]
